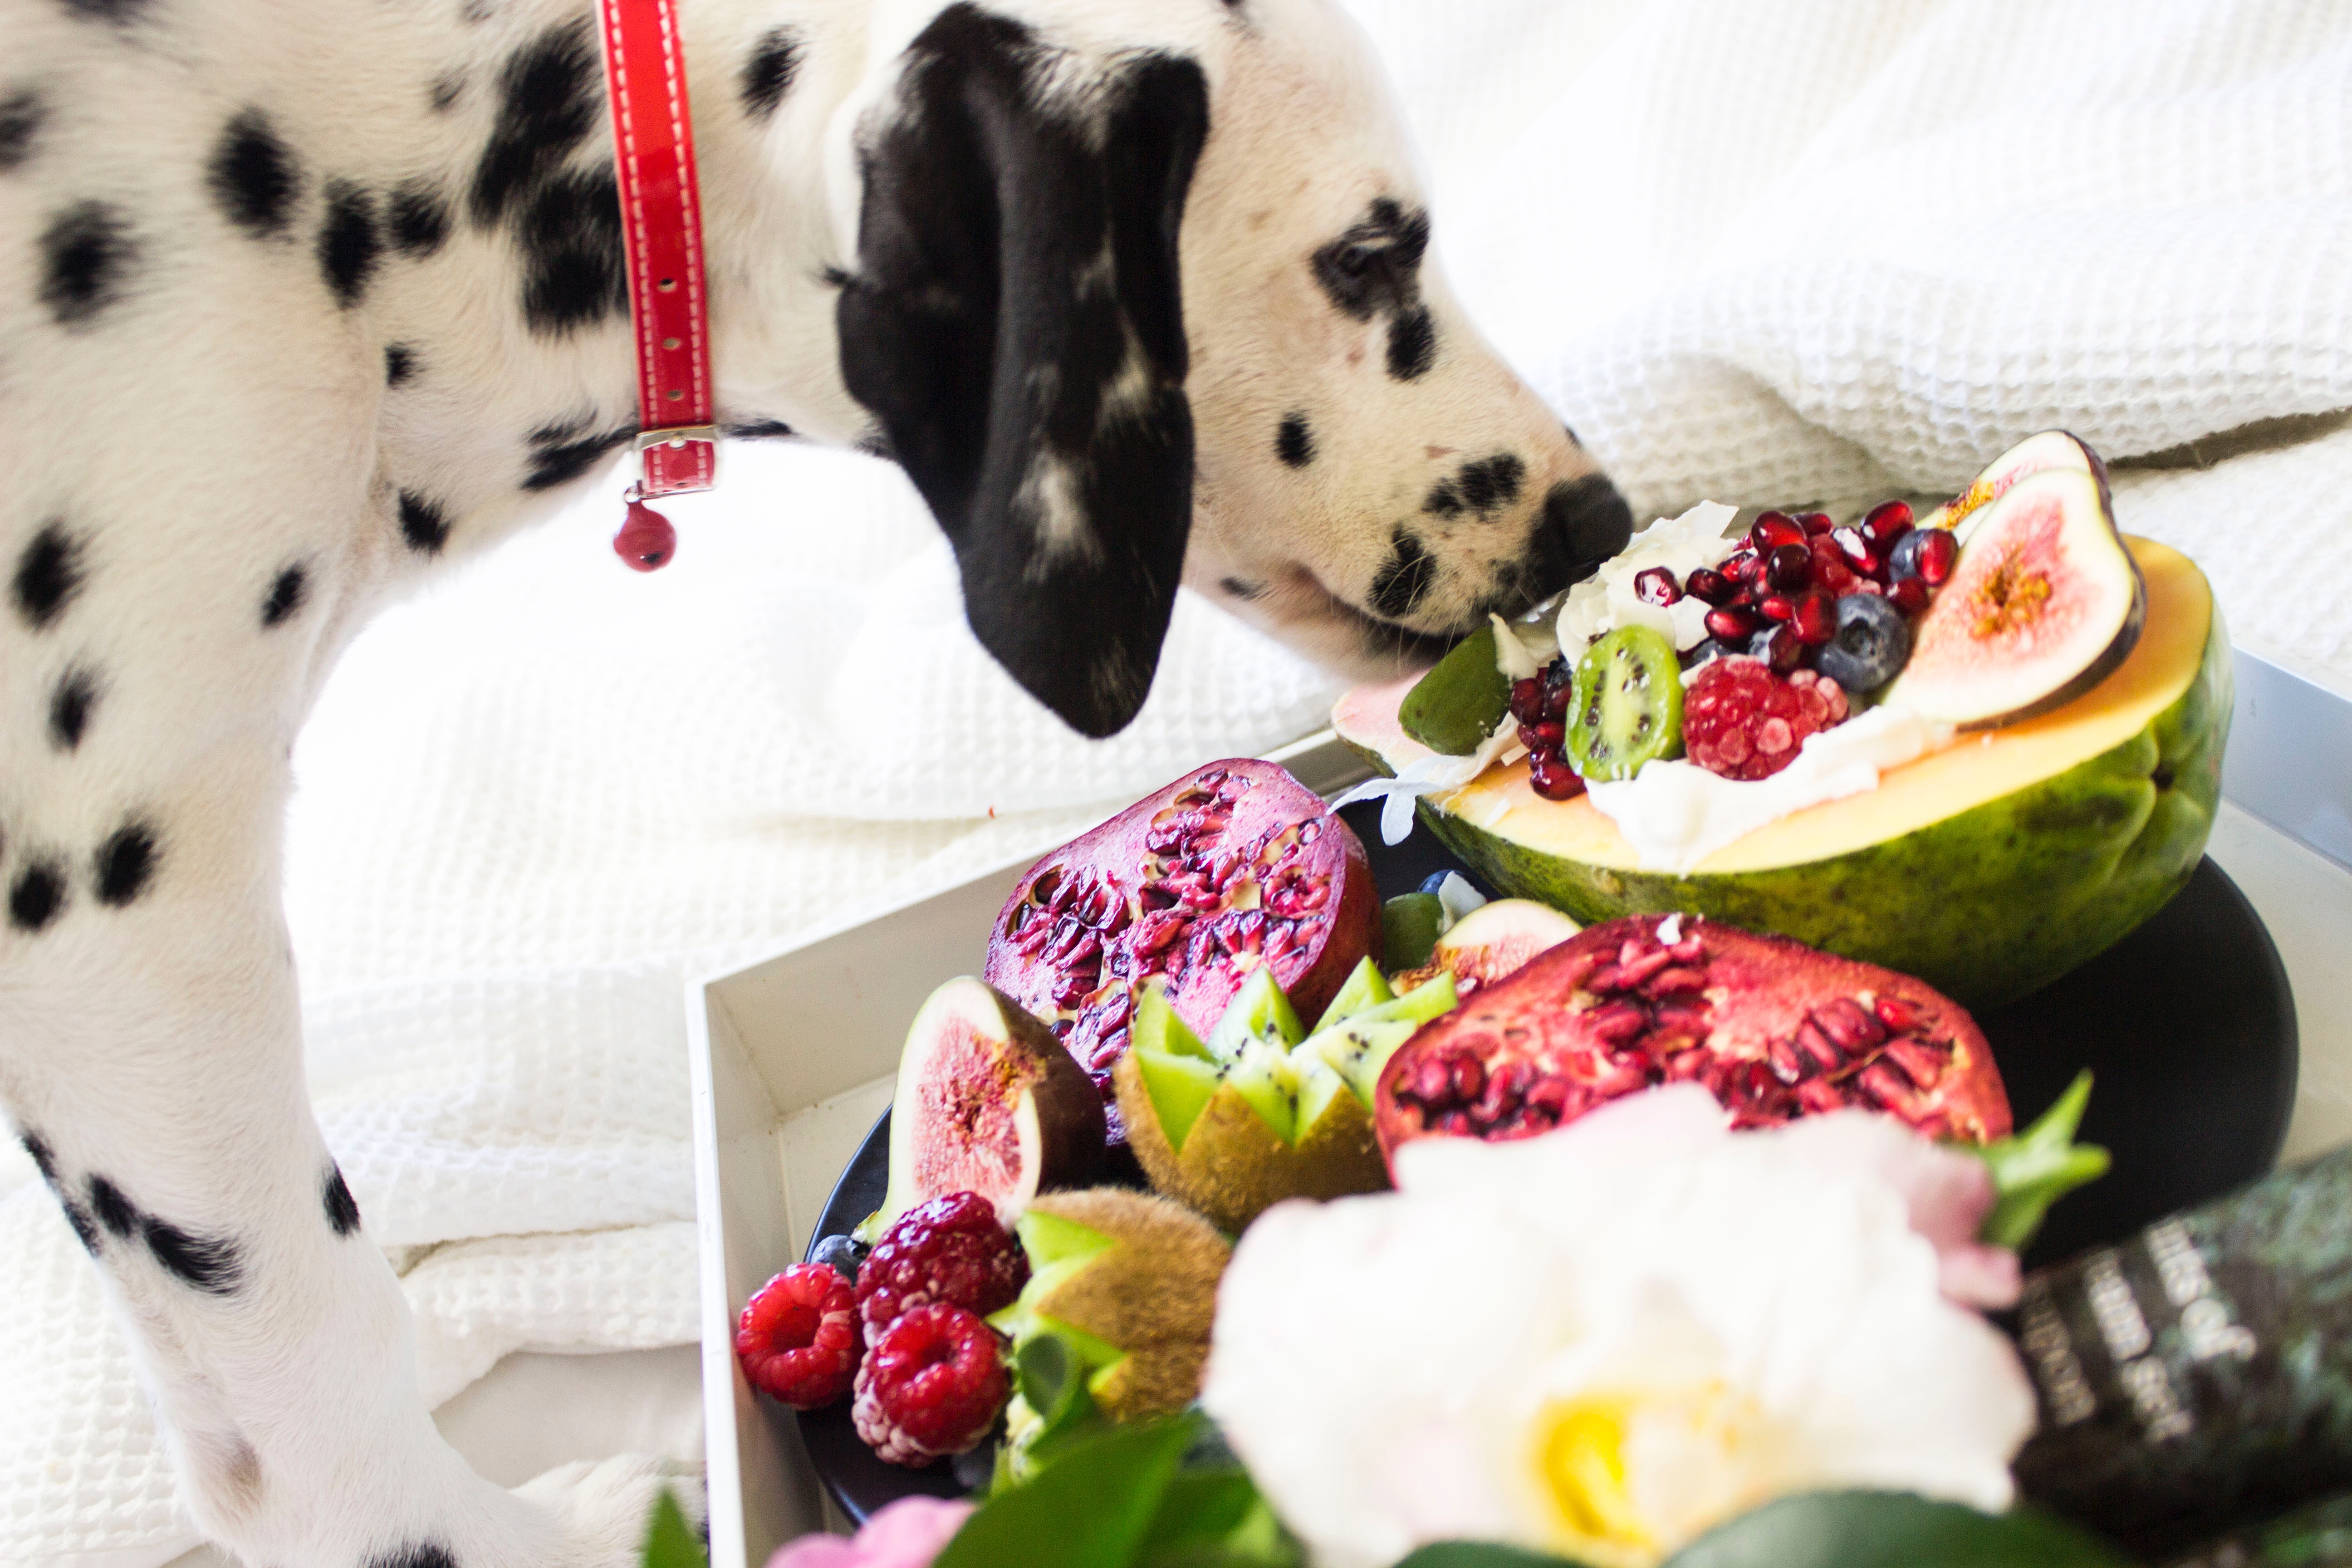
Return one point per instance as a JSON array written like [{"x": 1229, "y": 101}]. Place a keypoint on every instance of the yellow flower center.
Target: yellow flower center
[{"x": 1631, "y": 1476}]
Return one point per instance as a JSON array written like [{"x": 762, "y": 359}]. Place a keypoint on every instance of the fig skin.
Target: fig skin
[{"x": 1027, "y": 1091}]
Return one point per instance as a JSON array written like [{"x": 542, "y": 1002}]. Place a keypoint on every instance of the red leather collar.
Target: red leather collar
[{"x": 661, "y": 230}]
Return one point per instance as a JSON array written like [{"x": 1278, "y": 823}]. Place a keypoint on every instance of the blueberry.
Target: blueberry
[
  {"x": 1704, "y": 652},
  {"x": 1904, "y": 561},
  {"x": 1872, "y": 643},
  {"x": 842, "y": 1253},
  {"x": 1431, "y": 883}
]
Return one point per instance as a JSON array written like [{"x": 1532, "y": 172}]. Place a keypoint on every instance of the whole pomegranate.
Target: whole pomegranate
[
  {"x": 1774, "y": 1028},
  {"x": 1232, "y": 866}
]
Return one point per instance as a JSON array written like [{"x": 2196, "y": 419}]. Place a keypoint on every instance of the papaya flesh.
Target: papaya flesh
[{"x": 1987, "y": 869}]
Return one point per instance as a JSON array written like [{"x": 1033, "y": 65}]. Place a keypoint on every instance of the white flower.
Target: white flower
[{"x": 1602, "y": 1341}]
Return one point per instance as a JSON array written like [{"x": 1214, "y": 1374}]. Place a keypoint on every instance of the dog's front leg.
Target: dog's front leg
[{"x": 151, "y": 1056}]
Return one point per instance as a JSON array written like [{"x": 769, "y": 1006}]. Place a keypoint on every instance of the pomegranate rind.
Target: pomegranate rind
[
  {"x": 1281, "y": 875},
  {"x": 1742, "y": 995},
  {"x": 987, "y": 1101},
  {"x": 1987, "y": 870},
  {"x": 2043, "y": 604}
]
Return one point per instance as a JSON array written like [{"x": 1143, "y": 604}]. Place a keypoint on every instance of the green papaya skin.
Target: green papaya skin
[{"x": 1989, "y": 904}]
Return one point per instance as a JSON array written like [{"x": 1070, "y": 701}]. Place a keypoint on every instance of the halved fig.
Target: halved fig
[
  {"x": 1233, "y": 867},
  {"x": 2043, "y": 604},
  {"x": 1491, "y": 941},
  {"x": 987, "y": 1102},
  {"x": 2050, "y": 449},
  {"x": 1775, "y": 1029}
]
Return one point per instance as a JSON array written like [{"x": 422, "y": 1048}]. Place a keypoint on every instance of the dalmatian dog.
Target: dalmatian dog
[{"x": 301, "y": 301}]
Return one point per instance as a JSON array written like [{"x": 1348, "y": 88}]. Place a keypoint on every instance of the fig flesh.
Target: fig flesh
[
  {"x": 1773, "y": 1028},
  {"x": 1233, "y": 868},
  {"x": 2043, "y": 604},
  {"x": 987, "y": 1102},
  {"x": 1491, "y": 941}
]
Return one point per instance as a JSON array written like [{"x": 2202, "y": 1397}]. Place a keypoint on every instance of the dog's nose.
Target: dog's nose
[{"x": 1585, "y": 522}]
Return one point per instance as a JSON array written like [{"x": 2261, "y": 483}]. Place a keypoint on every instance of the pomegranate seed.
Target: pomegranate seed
[
  {"x": 1543, "y": 737},
  {"x": 1814, "y": 522},
  {"x": 1911, "y": 596},
  {"x": 1896, "y": 1014},
  {"x": 1879, "y": 1082},
  {"x": 1919, "y": 1064},
  {"x": 1782, "y": 649},
  {"x": 1818, "y": 1046},
  {"x": 1551, "y": 776},
  {"x": 1936, "y": 557},
  {"x": 1708, "y": 585},
  {"x": 1787, "y": 1065},
  {"x": 1789, "y": 567},
  {"x": 1656, "y": 586},
  {"x": 1886, "y": 522},
  {"x": 1615, "y": 1023},
  {"x": 1741, "y": 566},
  {"x": 1844, "y": 1021},
  {"x": 1731, "y": 623},
  {"x": 1816, "y": 620},
  {"x": 1469, "y": 1078},
  {"x": 1527, "y": 700},
  {"x": 1858, "y": 553},
  {"x": 1678, "y": 979},
  {"x": 1773, "y": 529},
  {"x": 1777, "y": 607}
]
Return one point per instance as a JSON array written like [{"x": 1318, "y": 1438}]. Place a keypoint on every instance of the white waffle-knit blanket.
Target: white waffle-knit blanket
[{"x": 1760, "y": 253}]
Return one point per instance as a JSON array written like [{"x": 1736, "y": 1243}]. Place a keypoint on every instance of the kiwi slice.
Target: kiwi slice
[
  {"x": 1457, "y": 704},
  {"x": 1628, "y": 705}
]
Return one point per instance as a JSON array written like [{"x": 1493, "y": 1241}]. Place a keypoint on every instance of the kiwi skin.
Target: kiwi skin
[
  {"x": 1153, "y": 1295},
  {"x": 1234, "y": 1166}
]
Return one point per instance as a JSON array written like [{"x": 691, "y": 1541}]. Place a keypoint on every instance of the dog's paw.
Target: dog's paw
[{"x": 603, "y": 1510}]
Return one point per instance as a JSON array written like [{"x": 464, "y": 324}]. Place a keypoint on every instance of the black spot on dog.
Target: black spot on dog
[
  {"x": 286, "y": 591},
  {"x": 431, "y": 1554},
  {"x": 1294, "y": 443},
  {"x": 86, "y": 252},
  {"x": 562, "y": 453},
  {"x": 124, "y": 864},
  {"x": 45, "y": 1159},
  {"x": 48, "y": 575},
  {"x": 1492, "y": 481},
  {"x": 399, "y": 364},
  {"x": 69, "y": 707},
  {"x": 547, "y": 106},
  {"x": 419, "y": 219},
  {"x": 574, "y": 272},
  {"x": 1573, "y": 439},
  {"x": 1412, "y": 345},
  {"x": 423, "y": 523},
  {"x": 1406, "y": 579},
  {"x": 206, "y": 1263},
  {"x": 21, "y": 114},
  {"x": 768, "y": 74},
  {"x": 445, "y": 91},
  {"x": 1444, "y": 500},
  {"x": 254, "y": 175},
  {"x": 759, "y": 430},
  {"x": 38, "y": 893},
  {"x": 118, "y": 12},
  {"x": 1375, "y": 265},
  {"x": 85, "y": 1229},
  {"x": 342, "y": 1209},
  {"x": 349, "y": 243},
  {"x": 113, "y": 1210},
  {"x": 1242, "y": 588}
]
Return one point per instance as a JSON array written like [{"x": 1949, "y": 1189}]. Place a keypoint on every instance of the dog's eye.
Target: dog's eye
[{"x": 1355, "y": 261}]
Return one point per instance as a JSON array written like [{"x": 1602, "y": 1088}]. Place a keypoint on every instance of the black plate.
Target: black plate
[{"x": 2188, "y": 1022}]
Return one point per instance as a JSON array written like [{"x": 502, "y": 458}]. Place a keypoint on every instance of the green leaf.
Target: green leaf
[
  {"x": 1478, "y": 1554},
  {"x": 1215, "y": 1518},
  {"x": 1891, "y": 1530},
  {"x": 2035, "y": 1168},
  {"x": 670, "y": 1541},
  {"x": 1092, "y": 1508}
]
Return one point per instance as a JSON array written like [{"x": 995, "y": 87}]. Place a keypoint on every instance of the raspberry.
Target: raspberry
[
  {"x": 932, "y": 1385},
  {"x": 798, "y": 1336},
  {"x": 1742, "y": 721},
  {"x": 950, "y": 1249}
]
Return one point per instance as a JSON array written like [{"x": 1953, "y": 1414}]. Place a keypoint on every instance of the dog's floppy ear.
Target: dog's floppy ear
[{"x": 1015, "y": 323}]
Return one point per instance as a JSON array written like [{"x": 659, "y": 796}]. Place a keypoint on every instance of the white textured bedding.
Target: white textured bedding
[{"x": 1752, "y": 253}]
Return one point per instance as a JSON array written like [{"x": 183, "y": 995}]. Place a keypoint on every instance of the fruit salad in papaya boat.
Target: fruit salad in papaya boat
[{"x": 1977, "y": 746}]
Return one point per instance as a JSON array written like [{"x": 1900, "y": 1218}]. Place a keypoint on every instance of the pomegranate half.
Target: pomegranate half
[
  {"x": 1774, "y": 1028},
  {"x": 1235, "y": 866}
]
